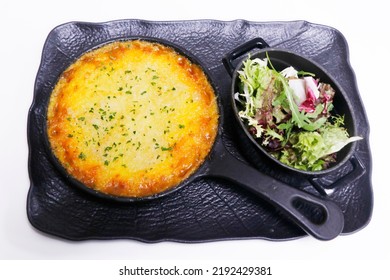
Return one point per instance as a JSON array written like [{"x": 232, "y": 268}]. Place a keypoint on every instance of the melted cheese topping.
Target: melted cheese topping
[{"x": 132, "y": 118}]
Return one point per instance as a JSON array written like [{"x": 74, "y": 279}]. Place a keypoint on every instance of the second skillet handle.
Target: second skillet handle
[
  {"x": 284, "y": 197},
  {"x": 258, "y": 43}
]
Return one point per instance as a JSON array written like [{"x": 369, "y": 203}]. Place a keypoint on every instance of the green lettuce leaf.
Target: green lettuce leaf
[{"x": 311, "y": 149}]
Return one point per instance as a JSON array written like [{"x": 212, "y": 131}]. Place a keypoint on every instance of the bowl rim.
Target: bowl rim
[{"x": 243, "y": 127}]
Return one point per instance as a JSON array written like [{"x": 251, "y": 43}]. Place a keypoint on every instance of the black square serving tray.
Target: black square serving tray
[{"x": 206, "y": 209}]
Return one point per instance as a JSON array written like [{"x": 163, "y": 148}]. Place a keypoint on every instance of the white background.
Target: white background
[{"x": 24, "y": 28}]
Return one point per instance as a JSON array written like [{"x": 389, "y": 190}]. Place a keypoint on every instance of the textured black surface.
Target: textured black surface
[{"x": 206, "y": 209}]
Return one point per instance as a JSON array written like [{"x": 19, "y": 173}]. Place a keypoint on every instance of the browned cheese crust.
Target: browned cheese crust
[{"x": 132, "y": 118}]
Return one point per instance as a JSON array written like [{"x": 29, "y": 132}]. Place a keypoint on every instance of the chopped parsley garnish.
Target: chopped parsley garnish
[{"x": 82, "y": 156}]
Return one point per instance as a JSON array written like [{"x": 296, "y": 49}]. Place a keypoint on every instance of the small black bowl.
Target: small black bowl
[{"x": 282, "y": 59}]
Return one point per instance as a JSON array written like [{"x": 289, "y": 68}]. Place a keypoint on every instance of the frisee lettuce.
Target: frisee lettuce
[{"x": 301, "y": 139}]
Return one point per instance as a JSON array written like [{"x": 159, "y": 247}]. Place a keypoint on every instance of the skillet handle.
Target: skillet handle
[
  {"x": 358, "y": 170},
  {"x": 293, "y": 202},
  {"x": 258, "y": 43}
]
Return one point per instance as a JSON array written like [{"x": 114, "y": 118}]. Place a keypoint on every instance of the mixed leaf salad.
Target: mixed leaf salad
[{"x": 289, "y": 114}]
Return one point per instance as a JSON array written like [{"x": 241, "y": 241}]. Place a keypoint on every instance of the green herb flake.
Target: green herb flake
[{"x": 82, "y": 156}]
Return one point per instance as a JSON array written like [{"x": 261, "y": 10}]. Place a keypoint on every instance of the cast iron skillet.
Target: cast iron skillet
[
  {"x": 280, "y": 60},
  {"x": 325, "y": 225}
]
